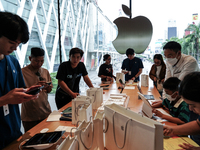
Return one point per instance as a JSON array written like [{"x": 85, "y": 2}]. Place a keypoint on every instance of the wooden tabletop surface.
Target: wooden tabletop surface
[{"x": 134, "y": 104}]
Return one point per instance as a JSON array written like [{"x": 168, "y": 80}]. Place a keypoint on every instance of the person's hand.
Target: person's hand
[
  {"x": 41, "y": 83},
  {"x": 162, "y": 80},
  {"x": 155, "y": 102},
  {"x": 18, "y": 95},
  {"x": 157, "y": 113},
  {"x": 73, "y": 95},
  {"x": 109, "y": 78},
  {"x": 154, "y": 79},
  {"x": 47, "y": 88},
  {"x": 133, "y": 78},
  {"x": 186, "y": 146},
  {"x": 124, "y": 71},
  {"x": 168, "y": 131}
]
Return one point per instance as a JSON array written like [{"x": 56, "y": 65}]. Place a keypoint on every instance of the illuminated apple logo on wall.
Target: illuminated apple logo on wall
[{"x": 133, "y": 33}]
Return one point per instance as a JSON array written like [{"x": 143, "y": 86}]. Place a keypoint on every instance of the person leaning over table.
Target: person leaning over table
[
  {"x": 179, "y": 65},
  {"x": 13, "y": 31},
  {"x": 157, "y": 72},
  {"x": 106, "y": 70},
  {"x": 69, "y": 75},
  {"x": 133, "y": 65},
  {"x": 189, "y": 90},
  {"x": 35, "y": 111},
  {"x": 173, "y": 103}
]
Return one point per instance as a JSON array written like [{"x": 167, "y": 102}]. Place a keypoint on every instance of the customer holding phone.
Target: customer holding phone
[
  {"x": 35, "y": 111},
  {"x": 13, "y": 31}
]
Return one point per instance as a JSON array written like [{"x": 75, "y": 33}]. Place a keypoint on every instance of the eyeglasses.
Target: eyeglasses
[{"x": 38, "y": 74}]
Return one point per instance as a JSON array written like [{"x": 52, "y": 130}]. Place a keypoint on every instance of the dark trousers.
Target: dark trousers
[
  {"x": 30, "y": 124},
  {"x": 62, "y": 99}
]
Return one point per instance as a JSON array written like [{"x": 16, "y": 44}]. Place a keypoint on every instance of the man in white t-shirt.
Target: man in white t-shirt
[{"x": 179, "y": 65}]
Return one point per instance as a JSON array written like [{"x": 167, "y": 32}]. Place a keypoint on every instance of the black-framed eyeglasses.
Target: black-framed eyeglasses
[{"x": 39, "y": 76}]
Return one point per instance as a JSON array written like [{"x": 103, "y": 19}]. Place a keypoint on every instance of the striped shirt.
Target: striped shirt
[{"x": 179, "y": 110}]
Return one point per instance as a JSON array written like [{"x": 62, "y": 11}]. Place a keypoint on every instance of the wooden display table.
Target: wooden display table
[{"x": 134, "y": 104}]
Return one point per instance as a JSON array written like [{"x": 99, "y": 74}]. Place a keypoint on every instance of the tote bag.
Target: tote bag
[
  {"x": 97, "y": 96},
  {"x": 81, "y": 110},
  {"x": 69, "y": 144},
  {"x": 121, "y": 76},
  {"x": 128, "y": 130},
  {"x": 85, "y": 135},
  {"x": 144, "y": 80},
  {"x": 90, "y": 134}
]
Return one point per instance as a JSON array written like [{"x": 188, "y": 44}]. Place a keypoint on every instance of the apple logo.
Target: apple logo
[{"x": 133, "y": 33}]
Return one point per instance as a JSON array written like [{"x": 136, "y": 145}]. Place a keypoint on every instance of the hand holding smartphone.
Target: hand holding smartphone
[
  {"x": 35, "y": 90},
  {"x": 48, "y": 83}
]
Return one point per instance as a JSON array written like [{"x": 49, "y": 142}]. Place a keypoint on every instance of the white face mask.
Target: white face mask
[
  {"x": 172, "y": 61},
  {"x": 170, "y": 98}
]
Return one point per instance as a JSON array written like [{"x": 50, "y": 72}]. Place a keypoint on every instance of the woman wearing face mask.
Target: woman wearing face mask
[
  {"x": 157, "y": 72},
  {"x": 177, "y": 108},
  {"x": 106, "y": 70}
]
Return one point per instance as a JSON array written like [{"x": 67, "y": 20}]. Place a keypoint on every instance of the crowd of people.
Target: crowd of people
[{"x": 177, "y": 80}]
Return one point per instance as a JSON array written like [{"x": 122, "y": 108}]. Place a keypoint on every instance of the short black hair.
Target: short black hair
[
  {"x": 172, "y": 45},
  {"x": 190, "y": 87},
  {"x": 171, "y": 84},
  {"x": 13, "y": 27},
  {"x": 36, "y": 51},
  {"x": 130, "y": 51},
  {"x": 105, "y": 57},
  {"x": 76, "y": 50}
]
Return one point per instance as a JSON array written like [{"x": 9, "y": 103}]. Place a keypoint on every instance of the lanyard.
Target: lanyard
[{"x": 3, "y": 91}]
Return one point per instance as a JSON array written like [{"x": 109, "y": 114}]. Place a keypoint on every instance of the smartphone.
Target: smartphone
[
  {"x": 34, "y": 91},
  {"x": 120, "y": 80},
  {"x": 104, "y": 85},
  {"x": 48, "y": 83}
]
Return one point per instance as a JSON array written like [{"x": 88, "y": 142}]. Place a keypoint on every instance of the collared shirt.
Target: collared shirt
[
  {"x": 179, "y": 110},
  {"x": 186, "y": 64}
]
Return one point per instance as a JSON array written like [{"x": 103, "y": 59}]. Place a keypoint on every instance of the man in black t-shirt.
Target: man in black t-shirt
[{"x": 69, "y": 75}]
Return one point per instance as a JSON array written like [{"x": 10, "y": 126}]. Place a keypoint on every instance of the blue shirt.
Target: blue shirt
[
  {"x": 10, "y": 124},
  {"x": 132, "y": 65}
]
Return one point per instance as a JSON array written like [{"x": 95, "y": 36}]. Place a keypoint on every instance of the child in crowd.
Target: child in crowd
[
  {"x": 177, "y": 108},
  {"x": 189, "y": 91}
]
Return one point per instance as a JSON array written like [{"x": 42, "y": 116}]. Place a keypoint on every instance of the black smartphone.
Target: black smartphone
[
  {"x": 104, "y": 85},
  {"x": 34, "y": 91},
  {"x": 120, "y": 80},
  {"x": 48, "y": 83}
]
